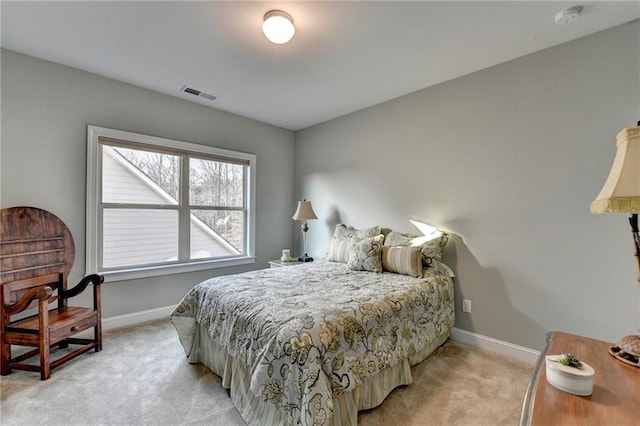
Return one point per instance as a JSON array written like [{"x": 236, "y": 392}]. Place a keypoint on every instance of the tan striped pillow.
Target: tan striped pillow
[
  {"x": 339, "y": 250},
  {"x": 402, "y": 260},
  {"x": 432, "y": 245}
]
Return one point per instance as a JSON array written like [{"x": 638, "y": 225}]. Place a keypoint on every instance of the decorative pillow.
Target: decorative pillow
[
  {"x": 402, "y": 260},
  {"x": 343, "y": 231},
  {"x": 365, "y": 254},
  {"x": 431, "y": 245},
  {"x": 341, "y": 241},
  {"x": 339, "y": 250}
]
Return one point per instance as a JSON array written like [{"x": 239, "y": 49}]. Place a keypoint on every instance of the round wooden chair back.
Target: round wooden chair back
[{"x": 33, "y": 242}]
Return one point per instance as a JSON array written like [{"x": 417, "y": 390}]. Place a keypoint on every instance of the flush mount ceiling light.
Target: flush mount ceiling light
[
  {"x": 568, "y": 15},
  {"x": 278, "y": 26}
]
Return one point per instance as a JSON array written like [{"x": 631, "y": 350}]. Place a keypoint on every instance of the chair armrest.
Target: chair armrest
[
  {"x": 41, "y": 293},
  {"x": 94, "y": 279}
]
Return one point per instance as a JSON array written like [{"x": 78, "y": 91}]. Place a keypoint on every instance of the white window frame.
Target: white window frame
[{"x": 93, "y": 209}]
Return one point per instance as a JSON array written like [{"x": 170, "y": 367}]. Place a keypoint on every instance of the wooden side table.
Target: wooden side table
[
  {"x": 616, "y": 388},
  {"x": 279, "y": 263}
]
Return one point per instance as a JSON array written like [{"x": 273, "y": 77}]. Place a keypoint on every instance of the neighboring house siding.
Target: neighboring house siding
[
  {"x": 140, "y": 237},
  {"x": 120, "y": 186},
  {"x": 202, "y": 247}
]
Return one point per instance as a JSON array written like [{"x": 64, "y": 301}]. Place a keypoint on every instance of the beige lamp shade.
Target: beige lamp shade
[
  {"x": 621, "y": 191},
  {"x": 304, "y": 211}
]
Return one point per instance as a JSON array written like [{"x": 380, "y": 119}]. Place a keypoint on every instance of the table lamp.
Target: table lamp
[
  {"x": 304, "y": 212},
  {"x": 621, "y": 194}
]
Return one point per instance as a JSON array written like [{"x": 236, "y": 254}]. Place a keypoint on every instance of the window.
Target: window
[{"x": 158, "y": 206}]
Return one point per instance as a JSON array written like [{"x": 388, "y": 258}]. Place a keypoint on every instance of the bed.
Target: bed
[{"x": 315, "y": 343}]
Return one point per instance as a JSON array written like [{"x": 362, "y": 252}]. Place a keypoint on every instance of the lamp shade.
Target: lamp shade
[
  {"x": 621, "y": 191},
  {"x": 304, "y": 211},
  {"x": 278, "y": 27}
]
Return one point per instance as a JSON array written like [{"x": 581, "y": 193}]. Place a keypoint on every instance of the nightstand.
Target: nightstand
[
  {"x": 616, "y": 388},
  {"x": 279, "y": 263}
]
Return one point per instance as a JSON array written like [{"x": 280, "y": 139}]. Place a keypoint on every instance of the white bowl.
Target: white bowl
[{"x": 577, "y": 381}]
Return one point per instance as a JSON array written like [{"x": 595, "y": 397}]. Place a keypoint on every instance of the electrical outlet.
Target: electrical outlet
[{"x": 466, "y": 305}]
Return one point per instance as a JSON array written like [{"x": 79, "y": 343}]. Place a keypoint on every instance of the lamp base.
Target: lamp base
[
  {"x": 627, "y": 350},
  {"x": 305, "y": 258}
]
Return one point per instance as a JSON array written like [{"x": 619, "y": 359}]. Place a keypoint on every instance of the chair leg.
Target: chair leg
[
  {"x": 98, "y": 336},
  {"x": 45, "y": 361},
  {"x": 43, "y": 323},
  {"x": 5, "y": 359}
]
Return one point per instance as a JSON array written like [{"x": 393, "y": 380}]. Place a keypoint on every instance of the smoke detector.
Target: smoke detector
[
  {"x": 196, "y": 92},
  {"x": 568, "y": 15}
]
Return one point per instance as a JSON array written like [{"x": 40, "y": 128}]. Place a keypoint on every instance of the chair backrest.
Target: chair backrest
[
  {"x": 33, "y": 243},
  {"x": 11, "y": 292}
]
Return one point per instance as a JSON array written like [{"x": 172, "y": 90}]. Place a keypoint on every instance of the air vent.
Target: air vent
[
  {"x": 197, "y": 92},
  {"x": 207, "y": 96}
]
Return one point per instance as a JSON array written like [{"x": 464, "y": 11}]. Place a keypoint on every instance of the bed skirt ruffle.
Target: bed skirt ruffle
[{"x": 257, "y": 412}]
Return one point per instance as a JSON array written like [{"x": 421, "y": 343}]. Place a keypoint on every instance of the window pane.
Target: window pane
[
  {"x": 215, "y": 183},
  {"x": 141, "y": 177},
  {"x": 139, "y": 237},
  {"x": 148, "y": 196},
  {"x": 216, "y": 233}
]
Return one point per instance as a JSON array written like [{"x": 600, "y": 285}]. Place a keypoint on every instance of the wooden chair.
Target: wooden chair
[{"x": 36, "y": 255}]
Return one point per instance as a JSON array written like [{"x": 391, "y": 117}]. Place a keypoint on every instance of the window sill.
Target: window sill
[{"x": 155, "y": 271}]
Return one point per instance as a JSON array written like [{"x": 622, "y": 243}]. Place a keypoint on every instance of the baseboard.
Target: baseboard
[
  {"x": 134, "y": 318},
  {"x": 501, "y": 347},
  {"x": 509, "y": 350}
]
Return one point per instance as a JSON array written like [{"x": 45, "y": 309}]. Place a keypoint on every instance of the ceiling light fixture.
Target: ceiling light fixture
[{"x": 278, "y": 26}]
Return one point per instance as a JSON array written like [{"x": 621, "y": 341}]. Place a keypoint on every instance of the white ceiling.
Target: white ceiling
[{"x": 345, "y": 56}]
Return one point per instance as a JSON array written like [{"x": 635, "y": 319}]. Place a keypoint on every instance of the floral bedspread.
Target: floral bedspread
[{"x": 311, "y": 332}]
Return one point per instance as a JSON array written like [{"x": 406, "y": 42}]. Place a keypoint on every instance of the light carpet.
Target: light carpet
[{"x": 142, "y": 378}]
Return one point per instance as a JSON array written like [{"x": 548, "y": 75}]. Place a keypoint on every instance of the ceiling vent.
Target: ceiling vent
[{"x": 197, "y": 92}]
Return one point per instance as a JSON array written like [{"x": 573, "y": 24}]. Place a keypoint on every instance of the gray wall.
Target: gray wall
[
  {"x": 46, "y": 108},
  {"x": 508, "y": 159}
]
